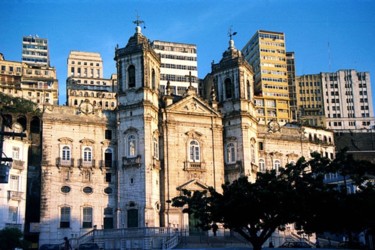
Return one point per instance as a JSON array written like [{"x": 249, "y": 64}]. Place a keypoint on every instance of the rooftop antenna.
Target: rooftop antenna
[{"x": 329, "y": 58}]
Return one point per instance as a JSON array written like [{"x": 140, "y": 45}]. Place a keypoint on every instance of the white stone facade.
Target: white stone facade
[{"x": 156, "y": 147}]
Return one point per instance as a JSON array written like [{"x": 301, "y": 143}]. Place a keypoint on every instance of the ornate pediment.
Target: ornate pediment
[
  {"x": 87, "y": 142},
  {"x": 192, "y": 104},
  {"x": 193, "y": 134},
  {"x": 65, "y": 140},
  {"x": 193, "y": 185}
]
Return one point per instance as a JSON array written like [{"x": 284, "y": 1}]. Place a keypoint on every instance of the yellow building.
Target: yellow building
[
  {"x": 31, "y": 82},
  {"x": 309, "y": 95},
  {"x": 266, "y": 53}
]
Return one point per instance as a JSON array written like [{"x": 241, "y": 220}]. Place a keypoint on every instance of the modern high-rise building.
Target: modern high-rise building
[
  {"x": 347, "y": 100},
  {"x": 339, "y": 100},
  {"x": 309, "y": 100},
  {"x": 266, "y": 53},
  {"x": 291, "y": 70},
  {"x": 178, "y": 62},
  {"x": 85, "y": 83},
  {"x": 35, "y": 50}
]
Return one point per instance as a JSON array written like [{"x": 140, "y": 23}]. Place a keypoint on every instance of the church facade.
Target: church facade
[{"x": 121, "y": 168}]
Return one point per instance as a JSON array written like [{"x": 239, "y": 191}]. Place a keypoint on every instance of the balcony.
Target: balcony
[
  {"x": 15, "y": 195},
  {"x": 66, "y": 163},
  {"x": 107, "y": 164},
  {"x": 17, "y": 164},
  {"x": 233, "y": 167},
  {"x": 156, "y": 163},
  {"x": 195, "y": 166},
  {"x": 128, "y": 162},
  {"x": 86, "y": 164}
]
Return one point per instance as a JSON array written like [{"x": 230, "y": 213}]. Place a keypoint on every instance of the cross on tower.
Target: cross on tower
[
  {"x": 138, "y": 21},
  {"x": 231, "y": 33},
  {"x": 190, "y": 77}
]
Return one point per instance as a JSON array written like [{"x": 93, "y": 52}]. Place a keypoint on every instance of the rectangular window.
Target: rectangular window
[
  {"x": 87, "y": 217},
  {"x": 16, "y": 153},
  {"x": 14, "y": 182},
  {"x": 108, "y": 177},
  {"x": 108, "y": 134},
  {"x": 65, "y": 217}
]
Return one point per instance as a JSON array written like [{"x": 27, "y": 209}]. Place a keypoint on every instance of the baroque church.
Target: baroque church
[{"x": 111, "y": 169}]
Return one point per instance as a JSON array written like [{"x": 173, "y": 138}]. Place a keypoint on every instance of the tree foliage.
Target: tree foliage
[
  {"x": 297, "y": 194},
  {"x": 11, "y": 238},
  {"x": 10, "y": 104}
]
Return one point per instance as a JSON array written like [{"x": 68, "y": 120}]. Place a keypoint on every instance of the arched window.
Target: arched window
[
  {"x": 228, "y": 88},
  {"x": 131, "y": 146},
  {"x": 276, "y": 165},
  {"x": 87, "y": 154},
  {"x": 156, "y": 148},
  {"x": 262, "y": 166},
  {"x": 248, "y": 87},
  {"x": 65, "y": 154},
  {"x": 194, "y": 151},
  {"x": 75, "y": 102},
  {"x": 153, "y": 79},
  {"x": 131, "y": 76},
  {"x": 230, "y": 153}
]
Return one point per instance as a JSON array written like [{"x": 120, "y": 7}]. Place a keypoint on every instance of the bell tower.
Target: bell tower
[
  {"x": 234, "y": 85},
  {"x": 138, "y": 71}
]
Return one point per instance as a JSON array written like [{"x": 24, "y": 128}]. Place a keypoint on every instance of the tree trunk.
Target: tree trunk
[{"x": 257, "y": 246}]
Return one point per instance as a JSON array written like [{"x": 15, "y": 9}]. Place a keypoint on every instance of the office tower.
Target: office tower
[
  {"x": 309, "y": 97},
  {"x": 291, "y": 70},
  {"x": 35, "y": 50},
  {"x": 178, "y": 60},
  {"x": 85, "y": 83},
  {"x": 265, "y": 52},
  {"x": 347, "y": 100},
  {"x": 339, "y": 100}
]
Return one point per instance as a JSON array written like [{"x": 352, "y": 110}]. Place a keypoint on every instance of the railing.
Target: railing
[
  {"x": 107, "y": 164},
  {"x": 194, "y": 166},
  {"x": 17, "y": 164},
  {"x": 67, "y": 163},
  {"x": 128, "y": 162},
  {"x": 82, "y": 163},
  {"x": 148, "y": 237},
  {"x": 233, "y": 167},
  {"x": 15, "y": 195},
  {"x": 14, "y": 225},
  {"x": 171, "y": 242}
]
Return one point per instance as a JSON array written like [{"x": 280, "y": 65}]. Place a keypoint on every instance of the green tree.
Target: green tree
[
  {"x": 11, "y": 238},
  {"x": 256, "y": 210},
  {"x": 297, "y": 194}
]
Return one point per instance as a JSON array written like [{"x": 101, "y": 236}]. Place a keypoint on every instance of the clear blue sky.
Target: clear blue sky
[{"x": 326, "y": 35}]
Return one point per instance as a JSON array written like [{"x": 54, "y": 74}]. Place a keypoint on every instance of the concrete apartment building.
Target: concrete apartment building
[
  {"x": 178, "y": 61},
  {"x": 266, "y": 53},
  {"x": 85, "y": 84},
  {"x": 36, "y": 83}
]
